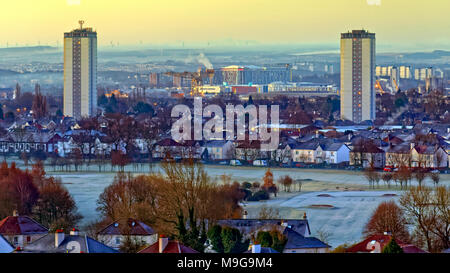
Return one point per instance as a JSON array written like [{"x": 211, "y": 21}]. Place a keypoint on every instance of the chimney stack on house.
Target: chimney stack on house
[
  {"x": 15, "y": 213},
  {"x": 74, "y": 232},
  {"x": 163, "y": 241},
  {"x": 59, "y": 237}
]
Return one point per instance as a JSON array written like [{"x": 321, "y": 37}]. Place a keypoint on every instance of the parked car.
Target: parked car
[
  {"x": 235, "y": 163},
  {"x": 260, "y": 163},
  {"x": 388, "y": 169},
  {"x": 435, "y": 171}
]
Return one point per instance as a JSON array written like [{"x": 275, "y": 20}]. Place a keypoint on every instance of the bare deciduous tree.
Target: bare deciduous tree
[
  {"x": 429, "y": 212},
  {"x": 387, "y": 217}
]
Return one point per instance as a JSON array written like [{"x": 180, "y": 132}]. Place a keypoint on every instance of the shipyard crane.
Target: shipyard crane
[
  {"x": 196, "y": 79},
  {"x": 378, "y": 87},
  {"x": 396, "y": 85}
]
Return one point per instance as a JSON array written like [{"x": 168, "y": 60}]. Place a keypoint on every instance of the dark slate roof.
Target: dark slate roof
[
  {"x": 31, "y": 137},
  {"x": 424, "y": 149},
  {"x": 333, "y": 147},
  {"x": 298, "y": 241},
  {"x": 310, "y": 145},
  {"x": 252, "y": 144},
  {"x": 86, "y": 244},
  {"x": 215, "y": 143},
  {"x": 367, "y": 149},
  {"x": 248, "y": 226},
  {"x": 133, "y": 227},
  {"x": 400, "y": 149},
  {"x": 21, "y": 225},
  {"x": 93, "y": 133}
]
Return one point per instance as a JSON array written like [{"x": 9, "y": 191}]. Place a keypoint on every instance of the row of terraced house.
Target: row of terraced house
[{"x": 419, "y": 146}]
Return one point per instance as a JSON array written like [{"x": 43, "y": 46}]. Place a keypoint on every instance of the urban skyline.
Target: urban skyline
[{"x": 174, "y": 126}]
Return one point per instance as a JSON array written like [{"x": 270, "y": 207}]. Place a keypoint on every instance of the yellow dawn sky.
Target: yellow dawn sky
[{"x": 267, "y": 21}]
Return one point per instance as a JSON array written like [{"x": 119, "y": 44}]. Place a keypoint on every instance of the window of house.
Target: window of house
[
  {"x": 16, "y": 240},
  {"x": 28, "y": 239},
  {"x": 117, "y": 240}
]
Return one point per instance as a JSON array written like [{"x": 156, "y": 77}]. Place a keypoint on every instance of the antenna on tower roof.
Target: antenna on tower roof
[{"x": 81, "y": 22}]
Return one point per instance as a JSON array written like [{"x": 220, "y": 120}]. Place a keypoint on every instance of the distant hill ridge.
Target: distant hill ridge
[{"x": 27, "y": 49}]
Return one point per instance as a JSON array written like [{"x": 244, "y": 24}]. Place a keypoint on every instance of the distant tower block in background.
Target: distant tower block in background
[
  {"x": 80, "y": 72},
  {"x": 358, "y": 76}
]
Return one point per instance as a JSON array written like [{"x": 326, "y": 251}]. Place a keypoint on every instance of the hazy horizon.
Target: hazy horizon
[{"x": 400, "y": 25}]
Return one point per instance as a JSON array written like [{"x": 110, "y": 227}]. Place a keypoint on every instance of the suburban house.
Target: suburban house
[
  {"x": 5, "y": 246},
  {"x": 167, "y": 146},
  {"x": 165, "y": 245},
  {"x": 398, "y": 155},
  {"x": 307, "y": 152},
  {"x": 447, "y": 149},
  {"x": 376, "y": 243},
  {"x": 250, "y": 151},
  {"x": 191, "y": 149},
  {"x": 21, "y": 230},
  {"x": 282, "y": 154},
  {"x": 115, "y": 234},
  {"x": 367, "y": 156},
  {"x": 249, "y": 227},
  {"x": 296, "y": 231},
  {"x": 429, "y": 156},
  {"x": 88, "y": 142},
  {"x": 336, "y": 153},
  {"x": 27, "y": 142},
  {"x": 59, "y": 242},
  {"x": 297, "y": 243},
  {"x": 216, "y": 150}
]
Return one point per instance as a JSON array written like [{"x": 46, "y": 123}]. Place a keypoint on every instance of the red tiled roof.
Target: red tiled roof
[
  {"x": 172, "y": 247},
  {"x": 383, "y": 240},
  {"x": 21, "y": 225}
]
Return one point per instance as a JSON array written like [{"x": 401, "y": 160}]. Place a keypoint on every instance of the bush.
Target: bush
[
  {"x": 227, "y": 240},
  {"x": 247, "y": 193},
  {"x": 259, "y": 195},
  {"x": 392, "y": 247},
  {"x": 273, "y": 239}
]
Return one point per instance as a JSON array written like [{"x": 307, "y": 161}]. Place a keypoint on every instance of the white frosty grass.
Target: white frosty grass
[
  {"x": 352, "y": 199},
  {"x": 344, "y": 221}
]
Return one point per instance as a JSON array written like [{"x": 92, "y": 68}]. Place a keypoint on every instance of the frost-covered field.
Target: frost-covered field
[
  {"x": 341, "y": 214},
  {"x": 352, "y": 200}
]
